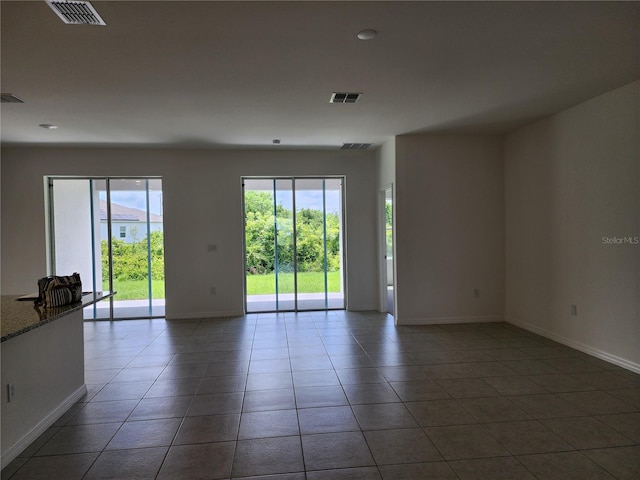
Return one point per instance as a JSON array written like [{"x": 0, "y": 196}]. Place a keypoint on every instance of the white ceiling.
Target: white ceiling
[{"x": 230, "y": 74}]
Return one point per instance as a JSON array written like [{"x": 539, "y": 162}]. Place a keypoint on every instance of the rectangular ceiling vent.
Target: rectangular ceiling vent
[
  {"x": 345, "y": 97},
  {"x": 10, "y": 98},
  {"x": 75, "y": 12},
  {"x": 355, "y": 146}
]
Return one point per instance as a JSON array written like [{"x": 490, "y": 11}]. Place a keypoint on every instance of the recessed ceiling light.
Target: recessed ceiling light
[
  {"x": 48, "y": 126},
  {"x": 367, "y": 34}
]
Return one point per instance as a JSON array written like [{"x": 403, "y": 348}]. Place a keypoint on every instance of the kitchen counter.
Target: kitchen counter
[
  {"x": 42, "y": 374},
  {"x": 18, "y": 317}
]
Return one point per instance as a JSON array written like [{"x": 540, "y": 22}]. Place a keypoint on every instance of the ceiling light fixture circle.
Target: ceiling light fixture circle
[{"x": 367, "y": 34}]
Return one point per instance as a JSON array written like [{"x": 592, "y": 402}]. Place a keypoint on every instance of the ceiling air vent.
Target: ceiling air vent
[
  {"x": 345, "y": 97},
  {"x": 355, "y": 146},
  {"x": 10, "y": 98},
  {"x": 76, "y": 13}
]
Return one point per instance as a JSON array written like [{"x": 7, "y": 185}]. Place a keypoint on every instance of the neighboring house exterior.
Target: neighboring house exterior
[{"x": 128, "y": 224}]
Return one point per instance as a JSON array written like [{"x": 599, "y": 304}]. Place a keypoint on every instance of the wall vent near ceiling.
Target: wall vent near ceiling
[
  {"x": 76, "y": 12},
  {"x": 345, "y": 97},
  {"x": 355, "y": 146},
  {"x": 10, "y": 98}
]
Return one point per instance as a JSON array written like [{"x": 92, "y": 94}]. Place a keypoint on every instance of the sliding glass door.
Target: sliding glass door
[
  {"x": 111, "y": 232},
  {"x": 293, "y": 244}
]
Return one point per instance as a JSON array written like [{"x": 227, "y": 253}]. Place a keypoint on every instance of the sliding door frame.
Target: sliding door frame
[
  {"x": 343, "y": 236},
  {"x": 51, "y": 244}
]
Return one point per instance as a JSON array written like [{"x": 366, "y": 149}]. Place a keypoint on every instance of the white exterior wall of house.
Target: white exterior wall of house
[
  {"x": 133, "y": 231},
  {"x": 72, "y": 224}
]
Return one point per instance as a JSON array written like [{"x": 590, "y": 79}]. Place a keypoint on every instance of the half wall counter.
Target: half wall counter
[{"x": 42, "y": 367}]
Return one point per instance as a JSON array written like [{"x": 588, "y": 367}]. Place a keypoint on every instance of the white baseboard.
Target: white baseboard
[
  {"x": 449, "y": 320},
  {"x": 196, "y": 315},
  {"x": 596, "y": 352},
  {"x": 363, "y": 308},
  {"x": 17, "y": 448}
]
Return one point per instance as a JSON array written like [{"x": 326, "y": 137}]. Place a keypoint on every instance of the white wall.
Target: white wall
[
  {"x": 140, "y": 229},
  {"x": 202, "y": 206},
  {"x": 449, "y": 228},
  {"x": 572, "y": 179},
  {"x": 386, "y": 161},
  {"x": 46, "y": 366},
  {"x": 72, "y": 222}
]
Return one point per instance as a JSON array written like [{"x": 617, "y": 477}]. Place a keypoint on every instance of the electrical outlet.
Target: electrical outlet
[
  {"x": 574, "y": 310},
  {"x": 476, "y": 292},
  {"x": 11, "y": 392},
  {"x": 212, "y": 290}
]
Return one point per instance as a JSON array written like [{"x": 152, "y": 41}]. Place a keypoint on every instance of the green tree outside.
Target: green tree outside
[
  {"x": 130, "y": 259},
  {"x": 262, "y": 221}
]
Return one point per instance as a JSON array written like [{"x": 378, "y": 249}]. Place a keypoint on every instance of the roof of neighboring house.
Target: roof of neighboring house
[{"x": 126, "y": 214}]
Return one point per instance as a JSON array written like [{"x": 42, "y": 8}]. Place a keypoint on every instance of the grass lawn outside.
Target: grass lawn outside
[
  {"x": 137, "y": 289},
  {"x": 308, "y": 282}
]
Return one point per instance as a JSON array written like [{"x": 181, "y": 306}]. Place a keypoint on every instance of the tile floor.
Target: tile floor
[{"x": 338, "y": 395}]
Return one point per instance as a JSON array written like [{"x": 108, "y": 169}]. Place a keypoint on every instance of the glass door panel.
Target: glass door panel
[
  {"x": 260, "y": 246},
  {"x": 311, "y": 245},
  {"x": 111, "y": 232},
  {"x": 75, "y": 238},
  {"x": 293, "y": 248},
  {"x": 334, "y": 241},
  {"x": 285, "y": 265},
  {"x": 131, "y": 224},
  {"x": 72, "y": 217},
  {"x": 156, "y": 245}
]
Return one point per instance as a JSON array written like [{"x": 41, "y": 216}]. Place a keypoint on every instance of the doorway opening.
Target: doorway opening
[
  {"x": 293, "y": 243},
  {"x": 110, "y": 230},
  {"x": 388, "y": 278}
]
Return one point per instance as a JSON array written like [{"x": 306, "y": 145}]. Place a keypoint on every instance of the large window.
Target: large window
[
  {"x": 110, "y": 230},
  {"x": 293, "y": 244}
]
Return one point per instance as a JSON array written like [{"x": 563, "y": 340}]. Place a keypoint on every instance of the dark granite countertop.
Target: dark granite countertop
[{"x": 18, "y": 317}]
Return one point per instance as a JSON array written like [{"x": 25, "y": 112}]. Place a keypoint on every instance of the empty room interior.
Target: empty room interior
[{"x": 447, "y": 199}]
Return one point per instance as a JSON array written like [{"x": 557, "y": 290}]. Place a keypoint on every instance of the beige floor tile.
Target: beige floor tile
[
  {"x": 358, "y": 473},
  {"x": 436, "y": 413},
  {"x": 69, "y": 467},
  {"x": 622, "y": 462},
  {"x": 563, "y": 466},
  {"x": 265, "y": 456},
  {"x": 503, "y": 468},
  {"x": 586, "y": 432},
  {"x": 464, "y": 442},
  {"x": 527, "y": 437},
  {"x": 327, "y": 420},
  {"x": 136, "y": 464},
  {"x": 431, "y": 470},
  {"x": 383, "y": 416},
  {"x": 336, "y": 450},
  {"x": 273, "y": 423},
  {"x": 409, "y": 445},
  {"x": 207, "y": 461},
  {"x": 346, "y": 395},
  {"x": 205, "y": 429}
]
